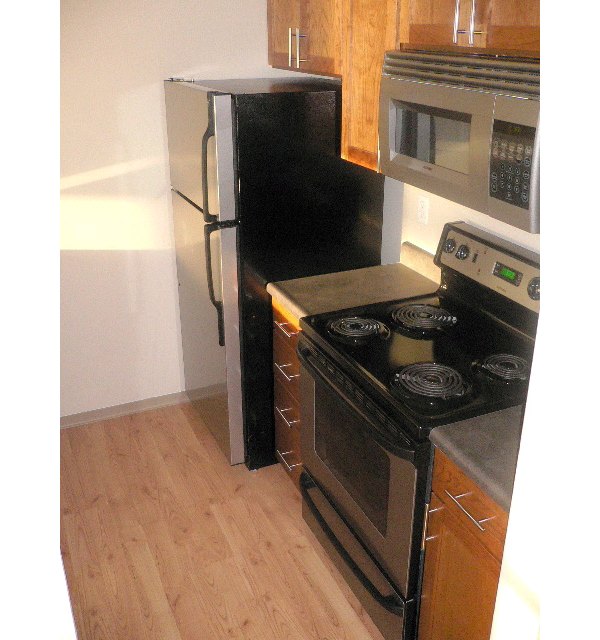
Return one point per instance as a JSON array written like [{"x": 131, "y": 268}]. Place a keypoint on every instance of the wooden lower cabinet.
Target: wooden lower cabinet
[
  {"x": 286, "y": 405},
  {"x": 462, "y": 561}
]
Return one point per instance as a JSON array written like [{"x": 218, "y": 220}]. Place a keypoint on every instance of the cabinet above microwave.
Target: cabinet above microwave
[{"x": 465, "y": 128}]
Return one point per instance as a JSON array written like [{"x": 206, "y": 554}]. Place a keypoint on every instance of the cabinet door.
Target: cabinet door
[
  {"x": 445, "y": 23},
  {"x": 370, "y": 30},
  {"x": 514, "y": 25},
  {"x": 320, "y": 37},
  {"x": 282, "y": 16},
  {"x": 460, "y": 580}
]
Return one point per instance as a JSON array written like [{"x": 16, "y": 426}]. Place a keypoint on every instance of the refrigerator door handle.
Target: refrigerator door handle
[
  {"x": 208, "y": 134},
  {"x": 218, "y": 304}
]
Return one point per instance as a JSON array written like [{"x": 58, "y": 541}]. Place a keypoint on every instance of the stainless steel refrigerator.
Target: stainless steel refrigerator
[{"x": 256, "y": 174}]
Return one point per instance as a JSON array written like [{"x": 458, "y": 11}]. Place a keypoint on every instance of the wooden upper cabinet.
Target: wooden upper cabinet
[
  {"x": 370, "y": 29},
  {"x": 283, "y": 16},
  {"x": 305, "y": 35},
  {"x": 514, "y": 25},
  {"x": 501, "y": 25}
]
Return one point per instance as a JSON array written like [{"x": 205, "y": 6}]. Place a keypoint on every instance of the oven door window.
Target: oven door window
[
  {"x": 436, "y": 136},
  {"x": 343, "y": 443}
]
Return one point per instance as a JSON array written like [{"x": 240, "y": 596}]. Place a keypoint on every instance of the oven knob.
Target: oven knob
[
  {"x": 533, "y": 288},
  {"x": 462, "y": 253},
  {"x": 449, "y": 245}
]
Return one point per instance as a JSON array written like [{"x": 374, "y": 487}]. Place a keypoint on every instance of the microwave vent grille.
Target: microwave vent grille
[{"x": 513, "y": 76}]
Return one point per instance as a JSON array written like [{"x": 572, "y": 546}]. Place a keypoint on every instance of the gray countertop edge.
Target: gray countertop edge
[{"x": 486, "y": 449}]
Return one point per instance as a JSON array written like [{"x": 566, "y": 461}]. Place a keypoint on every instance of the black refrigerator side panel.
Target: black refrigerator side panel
[{"x": 274, "y": 131}]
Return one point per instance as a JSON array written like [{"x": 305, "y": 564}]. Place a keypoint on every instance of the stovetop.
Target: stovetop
[{"x": 430, "y": 360}]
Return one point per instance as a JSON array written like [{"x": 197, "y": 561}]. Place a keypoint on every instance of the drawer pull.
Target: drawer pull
[
  {"x": 285, "y": 462},
  {"x": 476, "y": 522},
  {"x": 288, "y": 422},
  {"x": 281, "y": 325},
  {"x": 281, "y": 368}
]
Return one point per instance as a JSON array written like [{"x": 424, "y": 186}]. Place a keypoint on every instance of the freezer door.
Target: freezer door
[{"x": 200, "y": 140}]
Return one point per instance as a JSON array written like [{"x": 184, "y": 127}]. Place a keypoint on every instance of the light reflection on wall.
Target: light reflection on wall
[{"x": 91, "y": 219}]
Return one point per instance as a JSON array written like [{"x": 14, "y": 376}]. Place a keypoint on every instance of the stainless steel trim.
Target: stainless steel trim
[
  {"x": 229, "y": 273},
  {"x": 280, "y": 326},
  {"x": 283, "y": 373},
  {"x": 288, "y": 422},
  {"x": 471, "y": 518},
  {"x": 285, "y": 462}
]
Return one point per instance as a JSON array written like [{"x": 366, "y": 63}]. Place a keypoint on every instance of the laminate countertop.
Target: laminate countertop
[
  {"x": 346, "y": 289},
  {"x": 485, "y": 448}
]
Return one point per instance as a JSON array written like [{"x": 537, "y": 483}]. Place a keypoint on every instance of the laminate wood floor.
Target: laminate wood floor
[{"x": 162, "y": 539}]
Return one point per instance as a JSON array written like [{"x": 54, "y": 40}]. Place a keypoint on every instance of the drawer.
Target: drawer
[
  {"x": 286, "y": 368},
  {"x": 285, "y": 328},
  {"x": 287, "y": 448},
  {"x": 287, "y": 408},
  {"x": 463, "y": 497}
]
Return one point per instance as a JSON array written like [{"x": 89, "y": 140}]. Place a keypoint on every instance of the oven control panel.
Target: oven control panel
[{"x": 506, "y": 268}]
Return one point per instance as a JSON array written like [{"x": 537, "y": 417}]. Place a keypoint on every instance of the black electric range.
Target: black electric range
[
  {"x": 431, "y": 360},
  {"x": 376, "y": 379}
]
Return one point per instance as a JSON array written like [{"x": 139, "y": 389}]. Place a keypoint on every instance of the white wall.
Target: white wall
[
  {"x": 441, "y": 211},
  {"x": 119, "y": 316}
]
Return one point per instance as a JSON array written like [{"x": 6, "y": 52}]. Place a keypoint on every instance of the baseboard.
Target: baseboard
[{"x": 86, "y": 417}]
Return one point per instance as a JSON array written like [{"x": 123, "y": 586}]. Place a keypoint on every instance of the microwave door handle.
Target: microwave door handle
[
  {"x": 392, "y": 603},
  {"x": 208, "y": 134},
  {"x": 218, "y": 304}
]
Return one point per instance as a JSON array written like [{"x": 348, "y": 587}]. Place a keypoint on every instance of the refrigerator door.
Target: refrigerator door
[{"x": 201, "y": 155}]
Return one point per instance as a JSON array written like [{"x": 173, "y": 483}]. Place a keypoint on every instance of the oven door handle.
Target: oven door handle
[
  {"x": 392, "y": 603},
  {"x": 401, "y": 447}
]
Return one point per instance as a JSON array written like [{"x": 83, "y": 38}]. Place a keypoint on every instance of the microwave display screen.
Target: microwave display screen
[{"x": 436, "y": 136}]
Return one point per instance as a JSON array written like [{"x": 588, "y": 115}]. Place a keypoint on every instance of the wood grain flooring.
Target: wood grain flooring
[{"x": 162, "y": 539}]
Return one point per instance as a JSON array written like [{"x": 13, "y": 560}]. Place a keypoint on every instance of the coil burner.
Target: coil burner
[
  {"x": 423, "y": 319},
  {"x": 506, "y": 367},
  {"x": 356, "y": 330},
  {"x": 431, "y": 380}
]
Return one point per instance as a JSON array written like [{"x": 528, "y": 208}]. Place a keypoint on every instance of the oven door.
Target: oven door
[{"x": 376, "y": 483}]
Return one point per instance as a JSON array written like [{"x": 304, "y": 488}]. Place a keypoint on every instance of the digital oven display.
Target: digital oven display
[{"x": 508, "y": 274}]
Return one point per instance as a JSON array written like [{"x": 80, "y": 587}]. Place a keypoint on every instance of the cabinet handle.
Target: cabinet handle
[
  {"x": 288, "y": 334},
  {"x": 298, "y": 58},
  {"x": 472, "y": 32},
  {"x": 281, "y": 368},
  {"x": 285, "y": 462},
  {"x": 476, "y": 522},
  {"x": 455, "y": 30},
  {"x": 290, "y": 47},
  {"x": 288, "y": 422}
]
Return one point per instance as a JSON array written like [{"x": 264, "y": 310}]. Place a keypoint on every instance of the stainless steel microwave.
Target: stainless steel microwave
[{"x": 464, "y": 127}]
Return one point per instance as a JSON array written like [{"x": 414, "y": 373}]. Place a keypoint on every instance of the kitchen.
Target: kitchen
[{"x": 140, "y": 309}]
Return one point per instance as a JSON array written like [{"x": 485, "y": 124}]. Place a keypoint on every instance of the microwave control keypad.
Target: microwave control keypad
[{"x": 510, "y": 163}]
